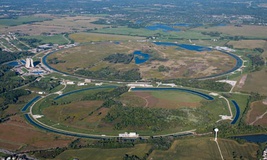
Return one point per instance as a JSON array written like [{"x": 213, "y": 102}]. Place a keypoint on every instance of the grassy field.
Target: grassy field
[
  {"x": 55, "y": 39},
  {"x": 181, "y": 63},
  {"x": 257, "y": 109},
  {"x": 256, "y": 82},
  {"x": 249, "y": 44},
  {"x": 161, "y": 99},
  {"x": 108, "y": 154},
  {"x": 57, "y": 24},
  {"x": 21, "y": 20},
  {"x": 205, "y": 148},
  {"x": 246, "y": 30},
  {"x": 95, "y": 37},
  {"x": 171, "y": 35}
]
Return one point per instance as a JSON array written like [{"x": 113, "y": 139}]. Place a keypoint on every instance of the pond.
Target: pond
[
  {"x": 184, "y": 46},
  {"x": 237, "y": 112},
  {"x": 13, "y": 64},
  {"x": 140, "y": 57},
  {"x": 258, "y": 138}
]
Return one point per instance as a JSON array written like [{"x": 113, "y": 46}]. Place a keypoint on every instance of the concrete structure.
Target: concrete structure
[
  {"x": 129, "y": 135},
  {"x": 29, "y": 63}
]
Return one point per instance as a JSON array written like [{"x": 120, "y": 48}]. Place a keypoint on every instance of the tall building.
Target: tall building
[{"x": 29, "y": 63}]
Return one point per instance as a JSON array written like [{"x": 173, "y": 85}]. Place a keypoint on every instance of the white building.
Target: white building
[
  {"x": 129, "y": 135},
  {"x": 29, "y": 63}
]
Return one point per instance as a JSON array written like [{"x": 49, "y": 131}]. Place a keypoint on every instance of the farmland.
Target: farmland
[{"x": 206, "y": 148}]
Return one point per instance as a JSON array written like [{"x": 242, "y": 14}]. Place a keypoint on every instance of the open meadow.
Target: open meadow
[
  {"x": 164, "y": 62},
  {"x": 205, "y": 148},
  {"x": 55, "y": 24}
]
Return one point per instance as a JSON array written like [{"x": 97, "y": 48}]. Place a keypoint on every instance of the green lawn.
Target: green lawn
[{"x": 55, "y": 39}]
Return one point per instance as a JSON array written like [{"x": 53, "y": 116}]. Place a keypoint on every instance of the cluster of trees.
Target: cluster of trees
[
  {"x": 202, "y": 84},
  {"x": 33, "y": 42},
  {"x": 55, "y": 61},
  {"x": 48, "y": 154},
  {"x": 261, "y": 50},
  {"x": 163, "y": 68},
  {"x": 212, "y": 34},
  {"x": 257, "y": 61},
  {"x": 10, "y": 56},
  {"x": 9, "y": 79},
  {"x": 45, "y": 84},
  {"x": 119, "y": 58},
  {"x": 154, "y": 119},
  {"x": 111, "y": 74}
]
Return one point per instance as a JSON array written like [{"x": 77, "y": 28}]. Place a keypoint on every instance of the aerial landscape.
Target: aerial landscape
[{"x": 133, "y": 80}]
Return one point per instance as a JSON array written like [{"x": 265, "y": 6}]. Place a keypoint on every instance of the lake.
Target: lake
[{"x": 162, "y": 27}]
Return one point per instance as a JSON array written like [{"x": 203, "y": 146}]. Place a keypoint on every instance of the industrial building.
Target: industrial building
[{"x": 29, "y": 63}]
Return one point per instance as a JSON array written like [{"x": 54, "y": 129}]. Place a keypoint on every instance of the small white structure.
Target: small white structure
[
  {"x": 81, "y": 84},
  {"x": 70, "y": 82},
  {"x": 41, "y": 92},
  {"x": 129, "y": 135},
  {"x": 99, "y": 84}
]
